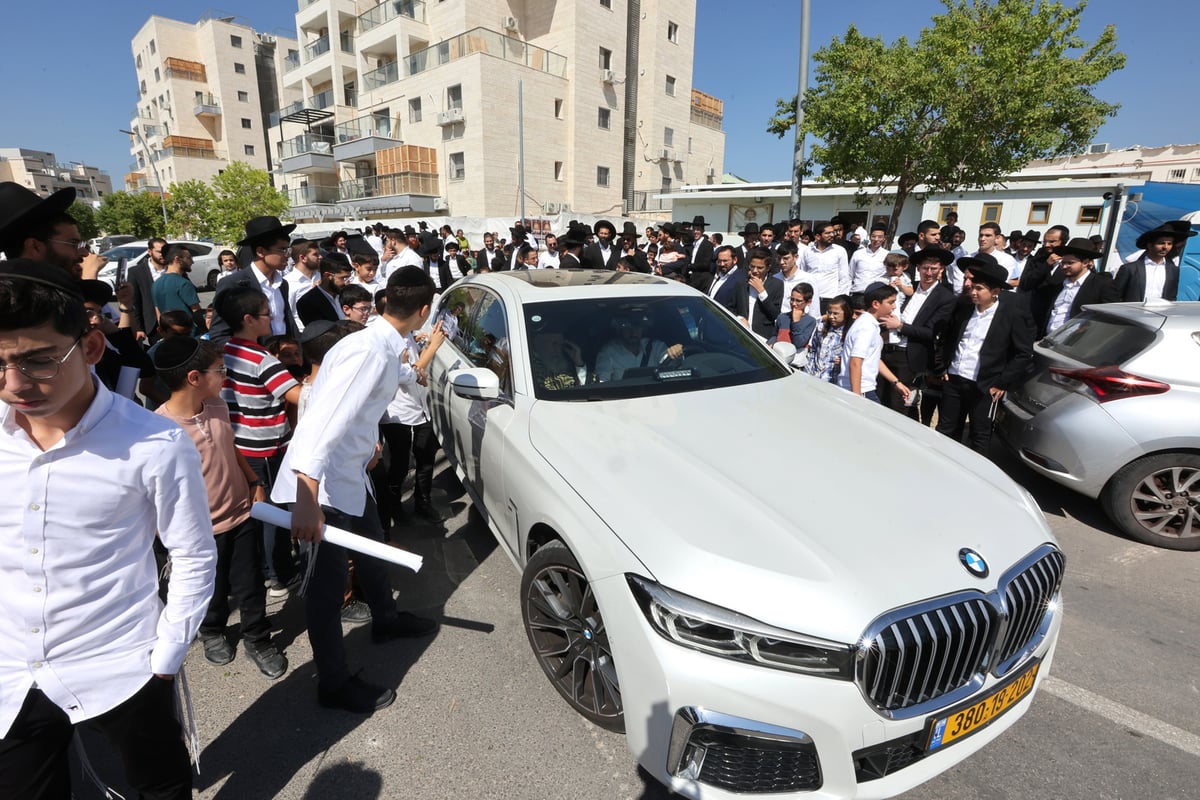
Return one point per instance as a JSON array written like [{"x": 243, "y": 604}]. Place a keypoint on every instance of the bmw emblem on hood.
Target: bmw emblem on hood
[{"x": 973, "y": 562}]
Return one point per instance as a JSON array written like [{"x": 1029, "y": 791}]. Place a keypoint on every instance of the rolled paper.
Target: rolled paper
[{"x": 281, "y": 518}]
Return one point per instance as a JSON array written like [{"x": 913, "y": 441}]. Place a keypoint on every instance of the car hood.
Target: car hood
[{"x": 790, "y": 501}]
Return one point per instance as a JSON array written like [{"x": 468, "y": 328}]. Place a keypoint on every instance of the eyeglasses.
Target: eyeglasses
[
  {"x": 362, "y": 309},
  {"x": 218, "y": 370},
  {"x": 40, "y": 368},
  {"x": 73, "y": 245}
]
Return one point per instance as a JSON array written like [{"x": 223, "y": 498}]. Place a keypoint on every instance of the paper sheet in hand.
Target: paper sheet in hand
[{"x": 351, "y": 541}]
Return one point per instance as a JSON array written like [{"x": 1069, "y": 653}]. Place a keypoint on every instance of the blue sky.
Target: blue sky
[{"x": 74, "y": 86}]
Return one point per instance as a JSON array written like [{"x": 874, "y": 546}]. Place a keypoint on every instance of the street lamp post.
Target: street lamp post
[{"x": 150, "y": 157}]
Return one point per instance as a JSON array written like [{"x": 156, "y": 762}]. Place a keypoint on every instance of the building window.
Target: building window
[
  {"x": 157, "y": 75},
  {"x": 1039, "y": 213},
  {"x": 240, "y": 69},
  {"x": 1196, "y": 173},
  {"x": 991, "y": 213},
  {"x": 454, "y": 97},
  {"x": 247, "y": 124},
  {"x": 235, "y": 41},
  {"x": 558, "y": 108},
  {"x": 946, "y": 209},
  {"x": 670, "y": 86},
  {"x": 454, "y": 131},
  {"x": 605, "y": 58},
  {"x": 689, "y": 145},
  {"x": 1089, "y": 215},
  {"x": 602, "y": 176},
  {"x": 414, "y": 110},
  {"x": 139, "y": 61},
  {"x": 558, "y": 170},
  {"x": 152, "y": 51},
  {"x": 1176, "y": 175},
  {"x": 458, "y": 166},
  {"x": 673, "y": 32},
  {"x": 142, "y": 86},
  {"x": 606, "y": 4},
  {"x": 249, "y": 149},
  {"x": 243, "y": 97},
  {"x": 665, "y": 186},
  {"x": 668, "y": 137},
  {"x": 604, "y": 118}
]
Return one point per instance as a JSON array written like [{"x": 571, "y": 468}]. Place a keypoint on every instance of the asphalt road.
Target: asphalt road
[{"x": 475, "y": 717}]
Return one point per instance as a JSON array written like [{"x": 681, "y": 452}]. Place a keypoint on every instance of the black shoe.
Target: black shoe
[
  {"x": 276, "y": 588},
  {"x": 356, "y": 612},
  {"x": 403, "y": 626},
  {"x": 358, "y": 696},
  {"x": 427, "y": 512},
  {"x": 269, "y": 660},
  {"x": 217, "y": 649}
]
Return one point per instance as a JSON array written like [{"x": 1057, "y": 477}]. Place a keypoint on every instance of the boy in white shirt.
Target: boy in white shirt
[{"x": 861, "y": 365}]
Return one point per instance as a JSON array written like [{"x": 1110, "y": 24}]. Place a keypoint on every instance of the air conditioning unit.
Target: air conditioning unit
[
  {"x": 266, "y": 38},
  {"x": 449, "y": 116},
  {"x": 1097, "y": 148},
  {"x": 552, "y": 208},
  {"x": 439, "y": 204},
  {"x": 509, "y": 24},
  {"x": 712, "y": 173},
  {"x": 667, "y": 155},
  {"x": 608, "y": 76}
]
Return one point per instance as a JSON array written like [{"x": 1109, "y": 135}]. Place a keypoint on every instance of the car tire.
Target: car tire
[
  {"x": 210, "y": 283},
  {"x": 1156, "y": 500},
  {"x": 567, "y": 633}
]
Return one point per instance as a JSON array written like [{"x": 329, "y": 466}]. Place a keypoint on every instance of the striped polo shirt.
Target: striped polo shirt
[{"x": 255, "y": 385}]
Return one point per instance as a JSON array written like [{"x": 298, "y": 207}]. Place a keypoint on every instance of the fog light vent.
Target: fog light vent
[{"x": 740, "y": 755}]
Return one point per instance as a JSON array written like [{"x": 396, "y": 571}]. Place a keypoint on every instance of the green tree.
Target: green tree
[
  {"x": 242, "y": 192},
  {"x": 134, "y": 213},
  {"x": 190, "y": 209},
  {"x": 989, "y": 86},
  {"x": 85, "y": 219}
]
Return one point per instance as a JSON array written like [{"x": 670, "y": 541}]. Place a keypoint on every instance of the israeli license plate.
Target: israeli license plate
[{"x": 965, "y": 720}]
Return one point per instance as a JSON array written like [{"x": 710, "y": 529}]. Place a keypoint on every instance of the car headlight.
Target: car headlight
[{"x": 718, "y": 631}]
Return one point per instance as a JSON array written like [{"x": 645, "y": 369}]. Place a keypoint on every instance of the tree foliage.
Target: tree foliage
[
  {"x": 85, "y": 219},
  {"x": 989, "y": 86},
  {"x": 134, "y": 213},
  {"x": 242, "y": 192},
  {"x": 191, "y": 206}
]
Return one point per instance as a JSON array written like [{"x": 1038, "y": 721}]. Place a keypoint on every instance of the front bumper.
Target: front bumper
[{"x": 757, "y": 719}]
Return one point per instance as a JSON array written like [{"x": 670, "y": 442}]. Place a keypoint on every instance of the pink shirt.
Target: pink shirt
[{"x": 228, "y": 491}]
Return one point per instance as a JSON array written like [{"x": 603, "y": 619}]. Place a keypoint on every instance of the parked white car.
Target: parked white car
[
  {"x": 770, "y": 584},
  {"x": 205, "y": 266}
]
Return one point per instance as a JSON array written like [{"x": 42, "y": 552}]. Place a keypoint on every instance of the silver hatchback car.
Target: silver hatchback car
[{"x": 1113, "y": 412}]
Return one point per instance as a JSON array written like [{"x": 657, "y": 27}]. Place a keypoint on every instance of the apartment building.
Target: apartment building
[
  {"x": 204, "y": 93},
  {"x": 422, "y": 107},
  {"x": 43, "y": 173}
]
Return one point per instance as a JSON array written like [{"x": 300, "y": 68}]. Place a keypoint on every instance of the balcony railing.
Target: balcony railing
[
  {"x": 389, "y": 10},
  {"x": 318, "y": 48},
  {"x": 306, "y": 3},
  {"x": 706, "y": 118},
  {"x": 306, "y": 195},
  {"x": 388, "y": 73},
  {"x": 206, "y": 104},
  {"x": 182, "y": 69},
  {"x": 318, "y": 101},
  {"x": 346, "y": 38},
  {"x": 385, "y": 185},
  {"x": 367, "y": 125},
  {"x": 319, "y": 143},
  {"x": 187, "y": 152},
  {"x": 645, "y": 201},
  {"x": 291, "y": 61},
  {"x": 482, "y": 40}
]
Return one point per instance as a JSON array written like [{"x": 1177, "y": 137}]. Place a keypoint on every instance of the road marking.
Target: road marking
[{"x": 1124, "y": 715}]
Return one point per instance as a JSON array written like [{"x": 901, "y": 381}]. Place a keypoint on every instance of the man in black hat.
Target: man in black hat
[
  {"x": 700, "y": 255},
  {"x": 988, "y": 349},
  {"x": 453, "y": 264},
  {"x": 1155, "y": 275},
  {"x": 1042, "y": 265},
  {"x": 1053, "y": 303},
  {"x": 1023, "y": 247},
  {"x": 40, "y": 229},
  {"x": 512, "y": 250},
  {"x": 571, "y": 244},
  {"x": 603, "y": 254},
  {"x": 269, "y": 240},
  {"x": 749, "y": 235},
  {"x": 630, "y": 249},
  {"x": 337, "y": 248}
]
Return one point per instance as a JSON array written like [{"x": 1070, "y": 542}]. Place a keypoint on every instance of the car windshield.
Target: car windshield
[
  {"x": 613, "y": 348},
  {"x": 125, "y": 251},
  {"x": 1098, "y": 340}
]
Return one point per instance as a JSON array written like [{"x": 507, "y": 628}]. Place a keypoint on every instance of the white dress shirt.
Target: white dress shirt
[
  {"x": 1003, "y": 259},
  {"x": 1062, "y": 303},
  {"x": 829, "y": 266},
  {"x": 1156, "y": 279},
  {"x": 866, "y": 267},
  {"x": 408, "y": 405},
  {"x": 80, "y": 616},
  {"x": 274, "y": 299},
  {"x": 548, "y": 260},
  {"x": 798, "y": 277},
  {"x": 405, "y": 258},
  {"x": 910, "y": 311},
  {"x": 298, "y": 285},
  {"x": 966, "y": 356},
  {"x": 336, "y": 438}
]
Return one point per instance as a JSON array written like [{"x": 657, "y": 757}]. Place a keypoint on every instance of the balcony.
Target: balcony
[
  {"x": 646, "y": 201},
  {"x": 378, "y": 186},
  {"x": 309, "y": 195},
  {"x": 346, "y": 39},
  {"x": 291, "y": 61},
  {"x": 186, "y": 147},
  {"x": 181, "y": 69},
  {"x": 306, "y": 3},
  {"x": 389, "y": 10},
  {"x": 316, "y": 103},
  {"x": 206, "y": 105},
  {"x": 318, "y": 48},
  {"x": 388, "y": 73},
  {"x": 707, "y": 110},
  {"x": 489, "y": 42},
  {"x": 365, "y": 136},
  {"x": 308, "y": 153}
]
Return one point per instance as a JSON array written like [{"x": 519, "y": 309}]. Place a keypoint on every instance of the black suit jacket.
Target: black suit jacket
[
  {"x": 219, "y": 333},
  {"x": 921, "y": 334},
  {"x": 1006, "y": 356},
  {"x": 592, "y": 258},
  {"x": 701, "y": 258},
  {"x": 446, "y": 268},
  {"x": 1037, "y": 272},
  {"x": 1130, "y": 284},
  {"x": 314, "y": 305},
  {"x": 1097, "y": 288},
  {"x": 144, "y": 318},
  {"x": 766, "y": 315},
  {"x": 724, "y": 295},
  {"x": 495, "y": 263}
]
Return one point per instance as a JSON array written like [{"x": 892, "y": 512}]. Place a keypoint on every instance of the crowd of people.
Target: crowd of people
[{"x": 304, "y": 383}]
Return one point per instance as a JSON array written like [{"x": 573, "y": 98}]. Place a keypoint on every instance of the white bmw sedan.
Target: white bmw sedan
[{"x": 771, "y": 585}]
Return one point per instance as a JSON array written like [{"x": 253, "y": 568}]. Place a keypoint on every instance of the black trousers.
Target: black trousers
[
  {"x": 423, "y": 445},
  {"x": 964, "y": 400},
  {"x": 276, "y": 553},
  {"x": 142, "y": 730},
  {"x": 326, "y": 591},
  {"x": 896, "y": 359},
  {"x": 239, "y": 572}
]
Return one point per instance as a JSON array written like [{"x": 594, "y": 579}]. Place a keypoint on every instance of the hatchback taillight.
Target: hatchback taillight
[{"x": 1112, "y": 383}]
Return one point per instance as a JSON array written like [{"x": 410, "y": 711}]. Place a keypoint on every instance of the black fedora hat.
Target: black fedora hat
[
  {"x": 629, "y": 230},
  {"x": 518, "y": 231},
  {"x": 431, "y": 245},
  {"x": 1174, "y": 229},
  {"x": 1031, "y": 236},
  {"x": 576, "y": 236},
  {"x": 985, "y": 269},
  {"x": 22, "y": 208},
  {"x": 698, "y": 221},
  {"x": 943, "y": 256},
  {"x": 603, "y": 223},
  {"x": 1078, "y": 247},
  {"x": 265, "y": 229},
  {"x": 670, "y": 228},
  {"x": 750, "y": 230}
]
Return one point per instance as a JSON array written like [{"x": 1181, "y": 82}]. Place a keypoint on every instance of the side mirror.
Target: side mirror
[
  {"x": 477, "y": 383},
  {"x": 785, "y": 351}
]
